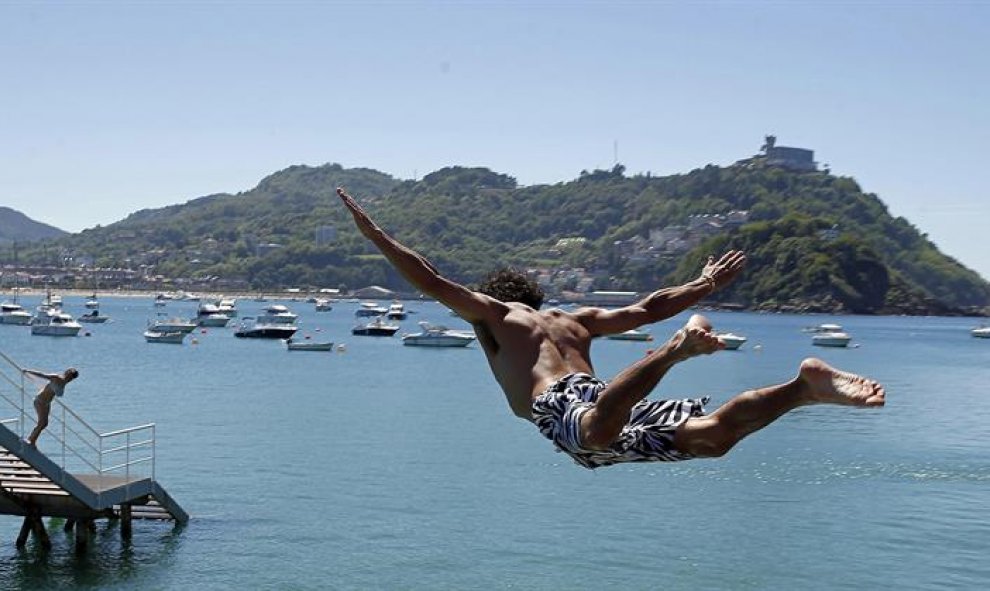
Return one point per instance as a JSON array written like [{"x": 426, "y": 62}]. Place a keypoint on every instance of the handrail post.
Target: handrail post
[
  {"x": 64, "y": 467},
  {"x": 127, "y": 458},
  {"x": 154, "y": 455},
  {"x": 23, "y": 405}
]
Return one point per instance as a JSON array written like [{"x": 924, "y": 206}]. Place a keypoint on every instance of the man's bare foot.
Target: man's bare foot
[
  {"x": 827, "y": 385},
  {"x": 695, "y": 338},
  {"x": 699, "y": 321}
]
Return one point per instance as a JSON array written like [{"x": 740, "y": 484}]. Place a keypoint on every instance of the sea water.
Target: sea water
[{"x": 392, "y": 467}]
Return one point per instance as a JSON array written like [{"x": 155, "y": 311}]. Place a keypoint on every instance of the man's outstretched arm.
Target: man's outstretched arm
[
  {"x": 420, "y": 272},
  {"x": 667, "y": 302}
]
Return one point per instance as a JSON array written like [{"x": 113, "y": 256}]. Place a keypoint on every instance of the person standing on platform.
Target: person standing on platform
[{"x": 43, "y": 401}]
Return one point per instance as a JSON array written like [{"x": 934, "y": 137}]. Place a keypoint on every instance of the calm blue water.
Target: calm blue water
[{"x": 391, "y": 467}]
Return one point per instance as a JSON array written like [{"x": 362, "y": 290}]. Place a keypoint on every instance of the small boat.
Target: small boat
[
  {"x": 52, "y": 322},
  {"x": 277, "y": 314},
  {"x": 731, "y": 341},
  {"x": 252, "y": 328},
  {"x": 14, "y": 313},
  {"x": 831, "y": 339},
  {"x": 630, "y": 335},
  {"x": 982, "y": 332},
  {"x": 323, "y": 305},
  {"x": 94, "y": 317},
  {"x": 375, "y": 328},
  {"x": 306, "y": 345},
  {"x": 371, "y": 309},
  {"x": 160, "y": 336},
  {"x": 228, "y": 306},
  {"x": 396, "y": 311},
  {"x": 435, "y": 335},
  {"x": 165, "y": 324},
  {"x": 209, "y": 315}
]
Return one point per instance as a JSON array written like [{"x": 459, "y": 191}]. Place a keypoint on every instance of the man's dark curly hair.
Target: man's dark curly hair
[{"x": 511, "y": 285}]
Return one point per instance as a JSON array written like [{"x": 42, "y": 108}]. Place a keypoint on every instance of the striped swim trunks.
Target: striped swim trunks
[{"x": 647, "y": 437}]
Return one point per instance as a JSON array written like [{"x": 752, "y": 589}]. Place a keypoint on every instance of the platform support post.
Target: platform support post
[
  {"x": 82, "y": 535},
  {"x": 125, "y": 521},
  {"x": 25, "y": 531}
]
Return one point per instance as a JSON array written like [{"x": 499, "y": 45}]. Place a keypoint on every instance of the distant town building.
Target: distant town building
[
  {"x": 326, "y": 235},
  {"x": 829, "y": 234},
  {"x": 791, "y": 158},
  {"x": 263, "y": 249}
]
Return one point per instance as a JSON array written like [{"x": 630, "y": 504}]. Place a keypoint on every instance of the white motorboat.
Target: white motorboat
[
  {"x": 731, "y": 340},
  {"x": 211, "y": 316},
  {"x": 831, "y": 339},
  {"x": 396, "y": 311},
  {"x": 323, "y": 305},
  {"x": 371, "y": 309},
  {"x": 631, "y": 335},
  {"x": 277, "y": 314},
  {"x": 308, "y": 345},
  {"x": 94, "y": 317},
  {"x": 164, "y": 324},
  {"x": 228, "y": 306},
  {"x": 161, "y": 336},
  {"x": 92, "y": 303},
  {"x": 827, "y": 327},
  {"x": 14, "y": 313},
  {"x": 435, "y": 335},
  {"x": 52, "y": 322},
  {"x": 982, "y": 332},
  {"x": 256, "y": 328},
  {"x": 376, "y": 328}
]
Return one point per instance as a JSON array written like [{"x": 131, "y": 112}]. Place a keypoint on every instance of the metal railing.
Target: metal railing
[{"x": 77, "y": 445}]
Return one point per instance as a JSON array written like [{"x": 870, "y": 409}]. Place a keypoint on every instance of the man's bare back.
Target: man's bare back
[{"x": 529, "y": 350}]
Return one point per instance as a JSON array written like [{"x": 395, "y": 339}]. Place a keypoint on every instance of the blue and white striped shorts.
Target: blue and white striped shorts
[{"x": 648, "y": 437}]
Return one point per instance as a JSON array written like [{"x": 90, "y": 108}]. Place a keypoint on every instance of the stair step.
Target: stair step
[
  {"x": 23, "y": 478},
  {"x": 37, "y": 484},
  {"x": 151, "y": 510},
  {"x": 55, "y": 492}
]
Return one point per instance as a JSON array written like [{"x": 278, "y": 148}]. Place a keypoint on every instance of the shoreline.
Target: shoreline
[{"x": 8, "y": 294}]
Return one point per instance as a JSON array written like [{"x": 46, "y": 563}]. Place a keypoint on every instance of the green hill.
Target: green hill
[
  {"x": 17, "y": 227},
  {"x": 814, "y": 241}
]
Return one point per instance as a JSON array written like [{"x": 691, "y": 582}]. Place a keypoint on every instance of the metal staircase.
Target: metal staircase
[{"x": 75, "y": 472}]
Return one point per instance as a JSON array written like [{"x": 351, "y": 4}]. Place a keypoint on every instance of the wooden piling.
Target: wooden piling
[
  {"x": 125, "y": 521},
  {"x": 25, "y": 531}
]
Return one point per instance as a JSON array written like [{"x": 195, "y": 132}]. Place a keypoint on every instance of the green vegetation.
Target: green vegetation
[
  {"x": 17, "y": 227},
  {"x": 814, "y": 241}
]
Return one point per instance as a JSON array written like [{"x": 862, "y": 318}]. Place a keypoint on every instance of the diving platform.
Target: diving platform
[{"x": 75, "y": 473}]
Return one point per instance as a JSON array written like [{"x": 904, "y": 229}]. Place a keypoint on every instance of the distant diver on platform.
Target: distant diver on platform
[
  {"x": 542, "y": 361},
  {"x": 43, "y": 401}
]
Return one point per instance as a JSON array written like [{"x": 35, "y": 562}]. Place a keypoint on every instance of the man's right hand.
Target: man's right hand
[
  {"x": 364, "y": 223},
  {"x": 721, "y": 272}
]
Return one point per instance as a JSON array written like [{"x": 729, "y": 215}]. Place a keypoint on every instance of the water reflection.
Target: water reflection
[{"x": 108, "y": 561}]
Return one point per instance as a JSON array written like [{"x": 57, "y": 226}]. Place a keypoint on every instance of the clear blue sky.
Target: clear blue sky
[{"x": 107, "y": 108}]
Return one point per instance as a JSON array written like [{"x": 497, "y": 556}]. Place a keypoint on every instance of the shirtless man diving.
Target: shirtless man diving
[{"x": 542, "y": 361}]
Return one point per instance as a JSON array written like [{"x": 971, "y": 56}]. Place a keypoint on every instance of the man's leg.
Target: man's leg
[
  {"x": 816, "y": 383},
  {"x": 601, "y": 425}
]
